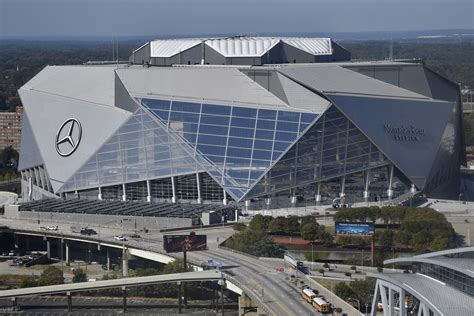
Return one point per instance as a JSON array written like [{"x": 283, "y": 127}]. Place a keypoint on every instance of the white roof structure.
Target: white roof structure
[
  {"x": 168, "y": 48},
  {"x": 314, "y": 46},
  {"x": 239, "y": 46},
  {"x": 242, "y": 46}
]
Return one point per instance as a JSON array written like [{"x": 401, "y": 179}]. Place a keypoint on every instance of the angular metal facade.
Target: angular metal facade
[{"x": 314, "y": 132}]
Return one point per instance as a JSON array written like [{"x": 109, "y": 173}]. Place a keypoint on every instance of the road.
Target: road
[{"x": 280, "y": 297}]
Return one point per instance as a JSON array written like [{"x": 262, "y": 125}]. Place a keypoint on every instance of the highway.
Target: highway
[{"x": 280, "y": 297}]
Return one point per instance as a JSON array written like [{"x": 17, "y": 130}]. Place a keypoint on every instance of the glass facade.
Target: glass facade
[
  {"x": 138, "y": 151},
  {"x": 331, "y": 148},
  {"x": 239, "y": 143},
  {"x": 233, "y": 148}
]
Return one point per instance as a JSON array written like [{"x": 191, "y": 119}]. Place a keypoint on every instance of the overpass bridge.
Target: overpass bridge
[
  {"x": 249, "y": 279},
  {"x": 124, "y": 284}
]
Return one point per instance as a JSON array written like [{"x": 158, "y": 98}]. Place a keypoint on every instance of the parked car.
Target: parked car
[
  {"x": 52, "y": 227},
  {"x": 135, "y": 235}
]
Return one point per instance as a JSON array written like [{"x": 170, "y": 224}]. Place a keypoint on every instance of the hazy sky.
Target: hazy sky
[{"x": 187, "y": 17}]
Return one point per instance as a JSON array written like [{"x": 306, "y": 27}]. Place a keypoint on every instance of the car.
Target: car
[
  {"x": 88, "y": 231},
  {"x": 11, "y": 253},
  {"x": 135, "y": 235},
  {"x": 120, "y": 238},
  {"x": 52, "y": 227}
]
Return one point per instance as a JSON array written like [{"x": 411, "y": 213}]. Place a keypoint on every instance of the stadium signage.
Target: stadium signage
[
  {"x": 404, "y": 133},
  {"x": 354, "y": 229},
  {"x": 178, "y": 243},
  {"x": 68, "y": 137}
]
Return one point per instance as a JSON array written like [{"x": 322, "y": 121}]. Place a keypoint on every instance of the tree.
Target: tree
[
  {"x": 344, "y": 291},
  {"x": 292, "y": 225},
  {"x": 239, "y": 227},
  {"x": 277, "y": 225},
  {"x": 51, "y": 276},
  {"x": 310, "y": 231},
  {"x": 260, "y": 222},
  {"x": 364, "y": 289},
  {"x": 79, "y": 276}
]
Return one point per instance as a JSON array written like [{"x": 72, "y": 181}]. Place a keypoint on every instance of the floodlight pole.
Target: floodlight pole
[{"x": 185, "y": 288}]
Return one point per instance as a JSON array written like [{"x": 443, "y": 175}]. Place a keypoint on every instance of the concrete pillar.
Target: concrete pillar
[
  {"x": 224, "y": 201},
  {"x": 108, "y": 260},
  {"x": 247, "y": 205},
  {"x": 317, "y": 197},
  {"x": 292, "y": 197},
  {"x": 198, "y": 184},
  {"x": 244, "y": 303},
  {"x": 179, "y": 296},
  {"x": 124, "y": 192},
  {"x": 69, "y": 302},
  {"x": 99, "y": 196},
  {"x": 14, "y": 303},
  {"x": 413, "y": 189},
  {"x": 343, "y": 186},
  {"x": 390, "y": 181},
  {"x": 366, "y": 184},
  {"x": 148, "y": 191},
  {"x": 124, "y": 297},
  {"x": 124, "y": 263},
  {"x": 68, "y": 260},
  {"x": 48, "y": 248},
  {"x": 76, "y": 193},
  {"x": 173, "y": 188},
  {"x": 16, "y": 242}
]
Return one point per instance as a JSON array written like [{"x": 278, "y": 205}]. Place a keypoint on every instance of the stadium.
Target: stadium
[{"x": 255, "y": 121}]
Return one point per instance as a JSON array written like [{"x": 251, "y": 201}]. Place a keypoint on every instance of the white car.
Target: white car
[
  {"x": 120, "y": 238},
  {"x": 52, "y": 228}
]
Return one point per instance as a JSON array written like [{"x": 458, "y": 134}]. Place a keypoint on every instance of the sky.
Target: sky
[{"x": 64, "y": 18}]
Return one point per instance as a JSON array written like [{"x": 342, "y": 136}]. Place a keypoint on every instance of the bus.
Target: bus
[
  {"x": 321, "y": 305},
  {"x": 308, "y": 295}
]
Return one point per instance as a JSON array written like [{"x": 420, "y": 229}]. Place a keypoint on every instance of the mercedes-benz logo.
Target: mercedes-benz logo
[{"x": 68, "y": 137}]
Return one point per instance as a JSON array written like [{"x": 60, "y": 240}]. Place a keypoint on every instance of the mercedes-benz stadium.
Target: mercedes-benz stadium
[{"x": 266, "y": 122}]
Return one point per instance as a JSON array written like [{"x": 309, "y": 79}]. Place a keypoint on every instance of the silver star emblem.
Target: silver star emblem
[{"x": 71, "y": 139}]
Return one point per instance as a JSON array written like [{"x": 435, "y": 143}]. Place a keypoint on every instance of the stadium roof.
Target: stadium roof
[{"x": 240, "y": 46}]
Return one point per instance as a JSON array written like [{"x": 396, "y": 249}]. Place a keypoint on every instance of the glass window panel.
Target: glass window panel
[
  {"x": 263, "y": 144},
  {"x": 239, "y": 152},
  {"x": 233, "y": 162},
  {"x": 288, "y": 116},
  {"x": 157, "y": 104},
  {"x": 216, "y": 159},
  {"x": 216, "y": 109},
  {"x": 214, "y": 119},
  {"x": 243, "y": 122},
  {"x": 240, "y": 142},
  {"x": 244, "y": 112},
  {"x": 285, "y": 136},
  {"x": 213, "y": 129},
  {"x": 303, "y": 126},
  {"x": 211, "y": 150},
  {"x": 267, "y": 114},
  {"x": 163, "y": 115},
  {"x": 191, "y": 138},
  {"x": 212, "y": 140},
  {"x": 241, "y": 132},
  {"x": 262, "y": 154},
  {"x": 264, "y": 134},
  {"x": 287, "y": 126},
  {"x": 264, "y": 124},
  {"x": 184, "y": 117},
  {"x": 307, "y": 117},
  {"x": 185, "y": 107}
]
